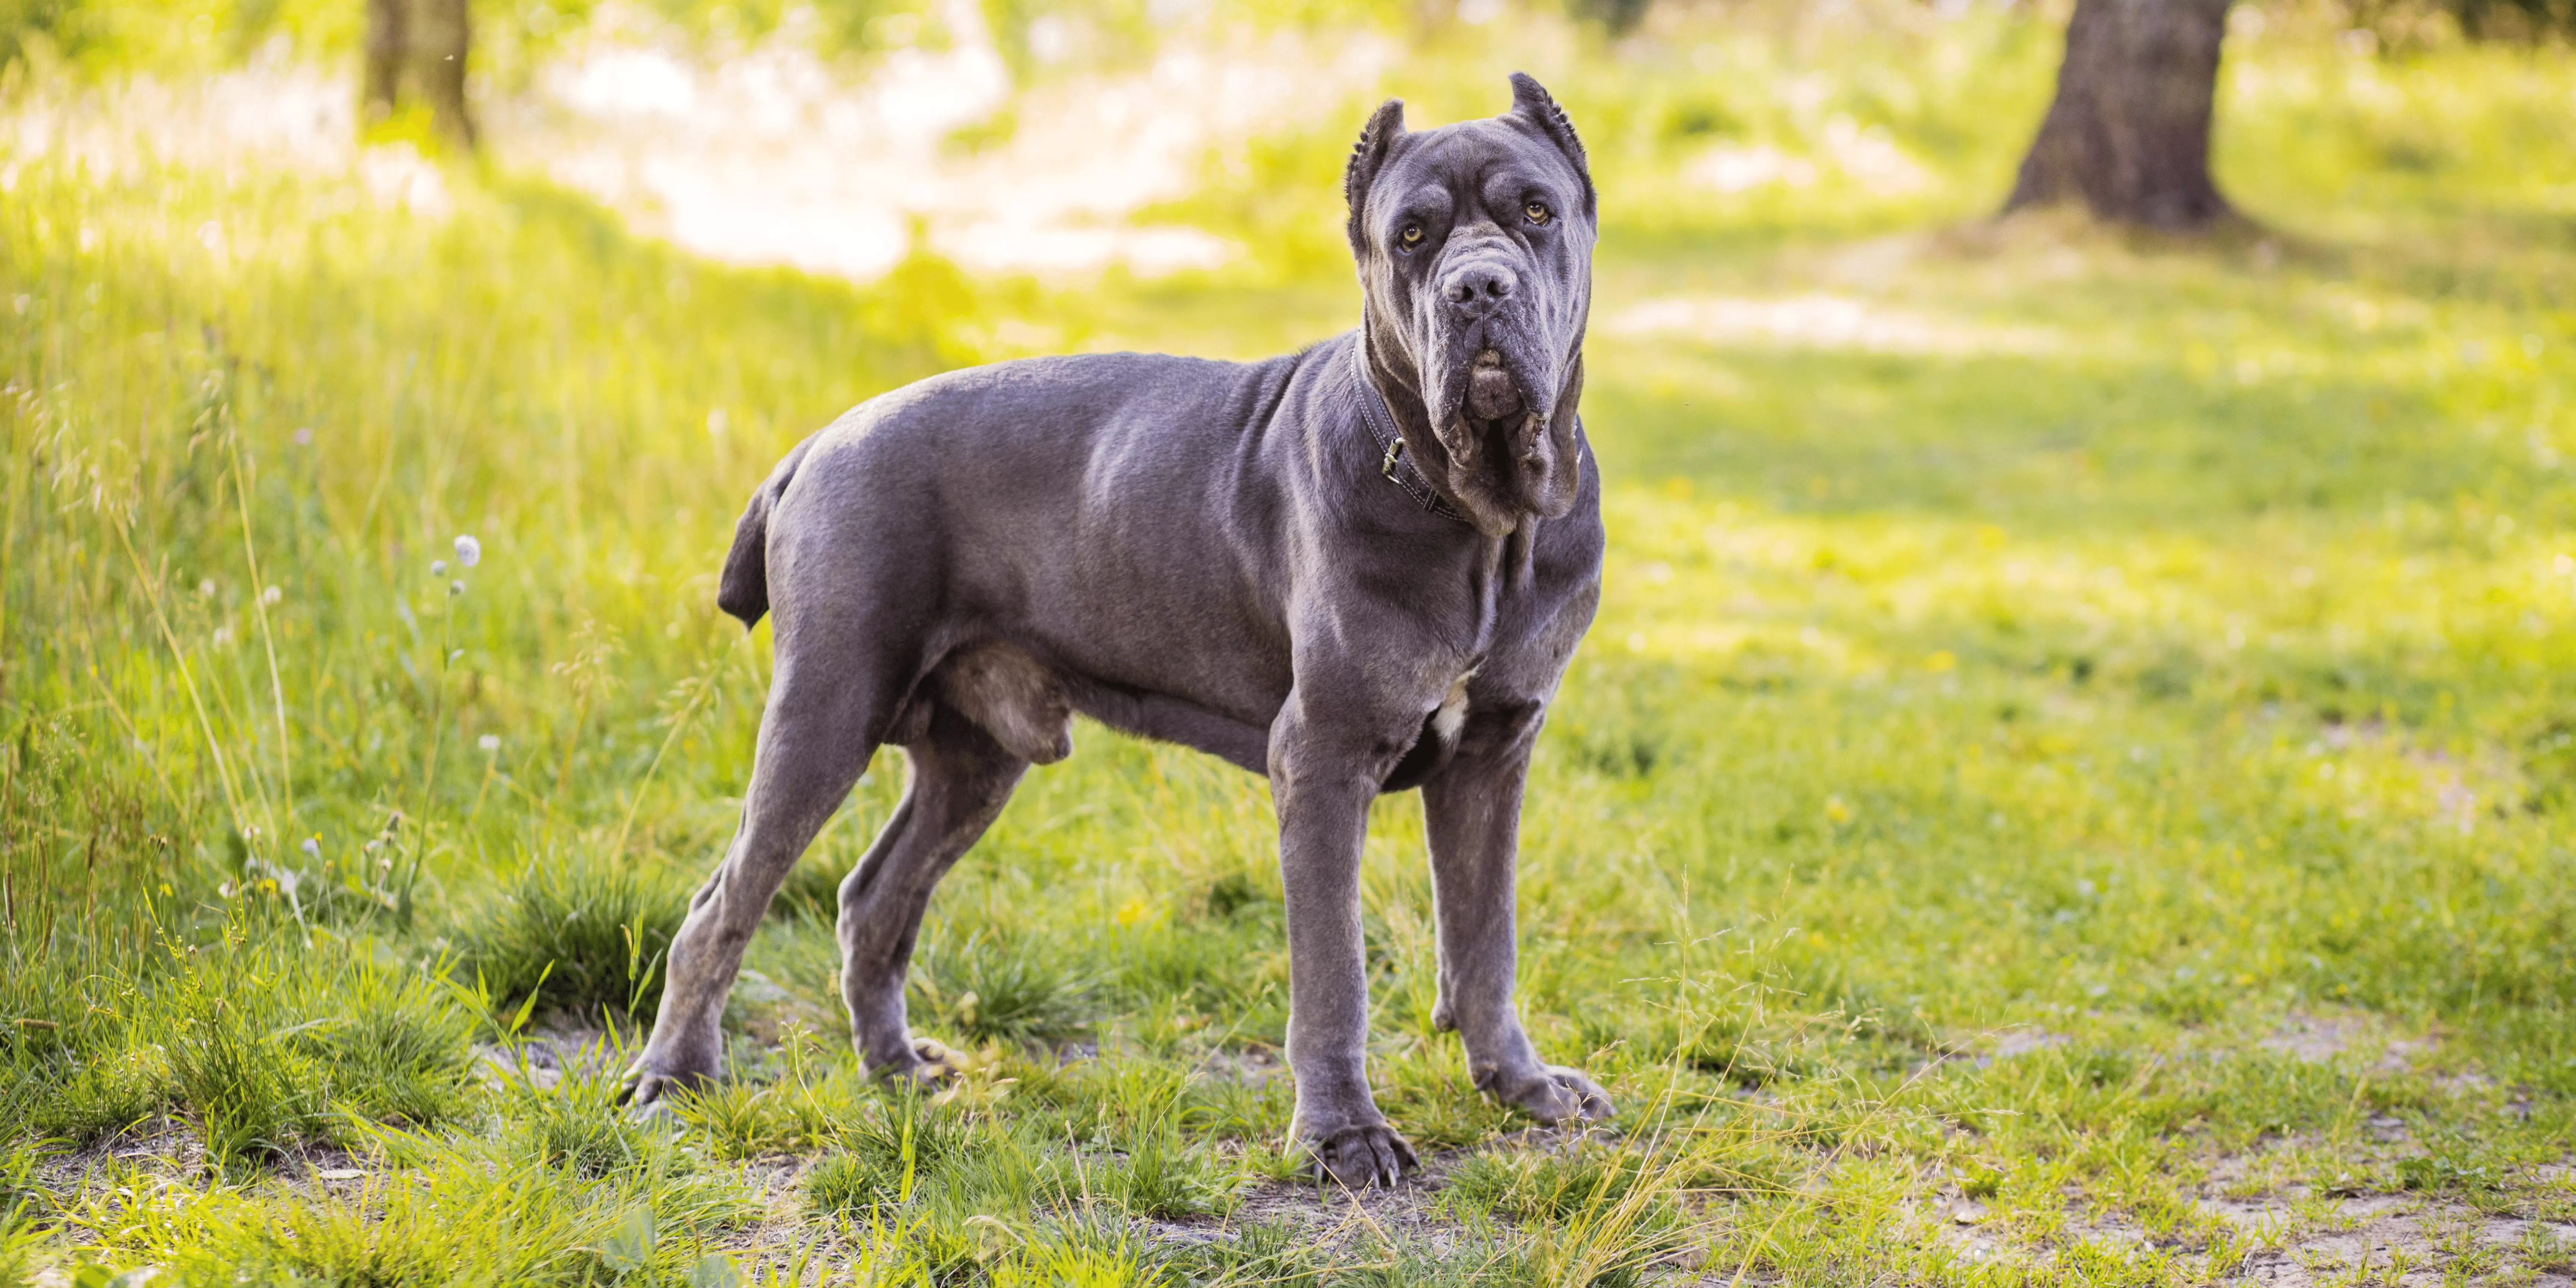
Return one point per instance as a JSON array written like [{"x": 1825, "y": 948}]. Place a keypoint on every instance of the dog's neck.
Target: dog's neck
[
  {"x": 1390, "y": 370},
  {"x": 1397, "y": 378},
  {"x": 1396, "y": 461},
  {"x": 1391, "y": 390}
]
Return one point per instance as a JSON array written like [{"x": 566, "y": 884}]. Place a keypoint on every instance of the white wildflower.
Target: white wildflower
[
  {"x": 456, "y": 588},
  {"x": 272, "y": 595},
  {"x": 437, "y": 567},
  {"x": 312, "y": 847},
  {"x": 490, "y": 743},
  {"x": 469, "y": 552}
]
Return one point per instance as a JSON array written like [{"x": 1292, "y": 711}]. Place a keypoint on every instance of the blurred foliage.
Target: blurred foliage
[
  {"x": 168, "y": 35},
  {"x": 2415, "y": 24},
  {"x": 513, "y": 35}
]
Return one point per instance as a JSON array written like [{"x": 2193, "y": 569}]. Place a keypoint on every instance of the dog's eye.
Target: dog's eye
[
  {"x": 1412, "y": 234},
  {"x": 1537, "y": 212}
]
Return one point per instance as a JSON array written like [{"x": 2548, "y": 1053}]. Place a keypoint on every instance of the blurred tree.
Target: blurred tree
[
  {"x": 2128, "y": 134},
  {"x": 2514, "y": 19},
  {"x": 418, "y": 47},
  {"x": 1619, "y": 16}
]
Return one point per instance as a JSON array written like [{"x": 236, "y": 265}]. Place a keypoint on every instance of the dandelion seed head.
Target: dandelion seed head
[
  {"x": 469, "y": 552},
  {"x": 312, "y": 847},
  {"x": 271, "y": 595},
  {"x": 490, "y": 742},
  {"x": 437, "y": 567}
]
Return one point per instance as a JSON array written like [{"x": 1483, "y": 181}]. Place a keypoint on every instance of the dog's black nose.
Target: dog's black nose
[{"x": 1476, "y": 287}]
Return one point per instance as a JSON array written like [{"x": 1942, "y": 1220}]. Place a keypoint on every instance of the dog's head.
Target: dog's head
[{"x": 1474, "y": 244}]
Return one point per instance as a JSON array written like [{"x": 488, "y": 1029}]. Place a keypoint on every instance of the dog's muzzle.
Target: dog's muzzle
[{"x": 1492, "y": 394}]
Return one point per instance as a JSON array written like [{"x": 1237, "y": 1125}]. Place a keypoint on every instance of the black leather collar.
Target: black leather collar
[{"x": 1394, "y": 462}]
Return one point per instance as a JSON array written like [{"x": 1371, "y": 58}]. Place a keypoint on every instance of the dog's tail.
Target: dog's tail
[{"x": 744, "y": 589}]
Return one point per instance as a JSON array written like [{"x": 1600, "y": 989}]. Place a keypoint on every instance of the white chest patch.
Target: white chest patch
[{"x": 1452, "y": 715}]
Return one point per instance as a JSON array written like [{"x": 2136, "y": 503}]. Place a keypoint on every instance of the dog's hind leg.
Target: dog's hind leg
[
  {"x": 823, "y": 721},
  {"x": 961, "y": 777}
]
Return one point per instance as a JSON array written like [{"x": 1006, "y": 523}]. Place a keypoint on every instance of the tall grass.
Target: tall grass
[{"x": 576, "y": 939}]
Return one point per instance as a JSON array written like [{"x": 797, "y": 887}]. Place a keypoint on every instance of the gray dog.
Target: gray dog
[{"x": 1357, "y": 569}]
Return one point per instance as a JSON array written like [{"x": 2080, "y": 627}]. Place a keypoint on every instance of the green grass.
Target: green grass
[
  {"x": 574, "y": 937},
  {"x": 2092, "y": 751}
]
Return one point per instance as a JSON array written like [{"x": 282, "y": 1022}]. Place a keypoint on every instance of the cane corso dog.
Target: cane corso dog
[{"x": 1357, "y": 569}]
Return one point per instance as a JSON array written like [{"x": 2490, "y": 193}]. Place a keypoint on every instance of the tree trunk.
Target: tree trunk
[
  {"x": 382, "y": 79},
  {"x": 438, "y": 44},
  {"x": 417, "y": 49},
  {"x": 2129, "y": 131}
]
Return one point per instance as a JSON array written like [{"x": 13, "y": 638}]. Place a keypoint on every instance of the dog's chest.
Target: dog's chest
[
  {"x": 1536, "y": 597},
  {"x": 1495, "y": 627}
]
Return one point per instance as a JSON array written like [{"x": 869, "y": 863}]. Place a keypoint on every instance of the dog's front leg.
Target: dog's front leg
[
  {"x": 1472, "y": 813},
  {"x": 1322, "y": 792}
]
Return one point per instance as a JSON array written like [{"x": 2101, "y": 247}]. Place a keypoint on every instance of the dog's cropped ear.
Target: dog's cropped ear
[
  {"x": 1377, "y": 142},
  {"x": 1532, "y": 101}
]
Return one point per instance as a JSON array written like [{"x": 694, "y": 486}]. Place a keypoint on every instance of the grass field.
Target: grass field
[{"x": 2070, "y": 783}]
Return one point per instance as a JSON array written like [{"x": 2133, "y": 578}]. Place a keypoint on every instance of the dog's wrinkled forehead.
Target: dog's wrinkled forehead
[{"x": 1488, "y": 170}]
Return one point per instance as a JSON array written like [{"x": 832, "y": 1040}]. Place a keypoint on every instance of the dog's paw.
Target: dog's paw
[
  {"x": 934, "y": 1061},
  {"x": 649, "y": 1091},
  {"x": 1557, "y": 1096},
  {"x": 1359, "y": 1157},
  {"x": 923, "y": 1061}
]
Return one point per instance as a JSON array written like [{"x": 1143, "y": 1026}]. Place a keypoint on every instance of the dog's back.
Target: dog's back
[{"x": 1095, "y": 430}]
